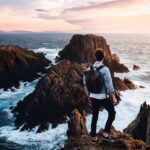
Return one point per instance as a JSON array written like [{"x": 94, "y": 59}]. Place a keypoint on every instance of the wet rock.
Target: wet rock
[
  {"x": 140, "y": 127},
  {"x": 19, "y": 64},
  {"x": 123, "y": 85},
  {"x": 84, "y": 142},
  {"x": 136, "y": 67},
  {"x": 81, "y": 49},
  {"x": 43, "y": 127},
  {"x": 54, "y": 98}
]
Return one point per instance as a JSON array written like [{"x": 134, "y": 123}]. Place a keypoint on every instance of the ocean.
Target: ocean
[{"x": 131, "y": 48}]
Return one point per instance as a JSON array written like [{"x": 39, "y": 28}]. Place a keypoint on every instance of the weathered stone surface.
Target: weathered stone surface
[
  {"x": 139, "y": 128},
  {"x": 19, "y": 64},
  {"x": 77, "y": 124},
  {"x": 54, "y": 98},
  {"x": 81, "y": 49},
  {"x": 84, "y": 142}
]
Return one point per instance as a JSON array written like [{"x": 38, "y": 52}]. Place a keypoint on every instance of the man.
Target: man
[{"x": 105, "y": 98}]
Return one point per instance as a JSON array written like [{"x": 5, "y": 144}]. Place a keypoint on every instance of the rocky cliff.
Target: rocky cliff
[
  {"x": 54, "y": 98},
  {"x": 81, "y": 49},
  {"x": 19, "y": 64},
  {"x": 78, "y": 138},
  {"x": 140, "y": 127}
]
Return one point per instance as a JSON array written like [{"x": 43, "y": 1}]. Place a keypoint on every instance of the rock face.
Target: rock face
[
  {"x": 77, "y": 124},
  {"x": 81, "y": 49},
  {"x": 122, "y": 85},
  {"x": 19, "y": 64},
  {"x": 78, "y": 140},
  {"x": 140, "y": 127},
  {"x": 54, "y": 98}
]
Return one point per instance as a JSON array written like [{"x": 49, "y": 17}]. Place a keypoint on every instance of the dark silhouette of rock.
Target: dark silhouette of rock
[
  {"x": 78, "y": 141},
  {"x": 135, "y": 67},
  {"x": 19, "y": 64},
  {"x": 140, "y": 127},
  {"x": 54, "y": 98},
  {"x": 81, "y": 49}
]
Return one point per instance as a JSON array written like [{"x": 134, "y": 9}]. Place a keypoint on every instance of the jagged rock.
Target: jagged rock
[
  {"x": 43, "y": 127},
  {"x": 77, "y": 124},
  {"x": 123, "y": 85},
  {"x": 135, "y": 67},
  {"x": 54, "y": 98},
  {"x": 19, "y": 64},
  {"x": 140, "y": 127},
  {"x": 84, "y": 142},
  {"x": 81, "y": 49}
]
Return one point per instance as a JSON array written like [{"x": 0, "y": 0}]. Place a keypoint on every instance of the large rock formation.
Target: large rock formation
[
  {"x": 54, "y": 98},
  {"x": 81, "y": 49},
  {"x": 59, "y": 92},
  {"x": 79, "y": 139},
  {"x": 140, "y": 127},
  {"x": 19, "y": 64}
]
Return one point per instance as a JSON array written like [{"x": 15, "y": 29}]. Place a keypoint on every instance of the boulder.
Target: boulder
[
  {"x": 81, "y": 49},
  {"x": 122, "y": 85},
  {"x": 78, "y": 141},
  {"x": 136, "y": 67},
  {"x": 140, "y": 127},
  {"x": 19, "y": 64}
]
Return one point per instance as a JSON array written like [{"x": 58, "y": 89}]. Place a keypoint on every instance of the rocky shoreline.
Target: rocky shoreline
[
  {"x": 19, "y": 64},
  {"x": 60, "y": 95}
]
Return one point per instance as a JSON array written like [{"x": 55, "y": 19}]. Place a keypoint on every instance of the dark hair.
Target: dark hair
[{"x": 99, "y": 55}]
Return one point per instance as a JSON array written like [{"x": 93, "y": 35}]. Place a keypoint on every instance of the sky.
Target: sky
[{"x": 108, "y": 16}]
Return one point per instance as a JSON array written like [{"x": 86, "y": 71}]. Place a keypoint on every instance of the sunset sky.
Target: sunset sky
[{"x": 75, "y": 15}]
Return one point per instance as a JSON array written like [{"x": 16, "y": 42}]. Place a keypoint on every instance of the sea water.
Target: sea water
[{"x": 131, "y": 48}]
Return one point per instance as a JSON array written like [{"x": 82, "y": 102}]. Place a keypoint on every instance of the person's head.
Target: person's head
[{"x": 99, "y": 55}]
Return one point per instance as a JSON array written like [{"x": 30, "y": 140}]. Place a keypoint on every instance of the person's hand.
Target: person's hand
[{"x": 114, "y": 100}]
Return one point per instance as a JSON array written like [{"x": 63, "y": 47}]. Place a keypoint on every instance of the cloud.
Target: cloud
[
  {"x": 48, "y": 17},
  {"x": 107, "y": 4},
  {"x": 41, "y": 10},
  {"x": 71, "y": 15}
]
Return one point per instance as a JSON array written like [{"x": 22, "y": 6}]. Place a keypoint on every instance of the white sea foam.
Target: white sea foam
[
  {"x": 49, "y": 53},
  {"x": 9, "y": 98},
  {"x": 51, "y": 139}
]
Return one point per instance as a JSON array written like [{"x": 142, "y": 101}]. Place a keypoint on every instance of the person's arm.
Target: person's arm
[
  {"x": 108, "y": 82},
  {"x": 109, "y": 85},
  {"x": 85, "y": 87}
]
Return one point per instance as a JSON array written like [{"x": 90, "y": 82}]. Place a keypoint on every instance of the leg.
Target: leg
[
  {"x": 95, "y": 110},
  {"x": 111, "y": 114}
]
